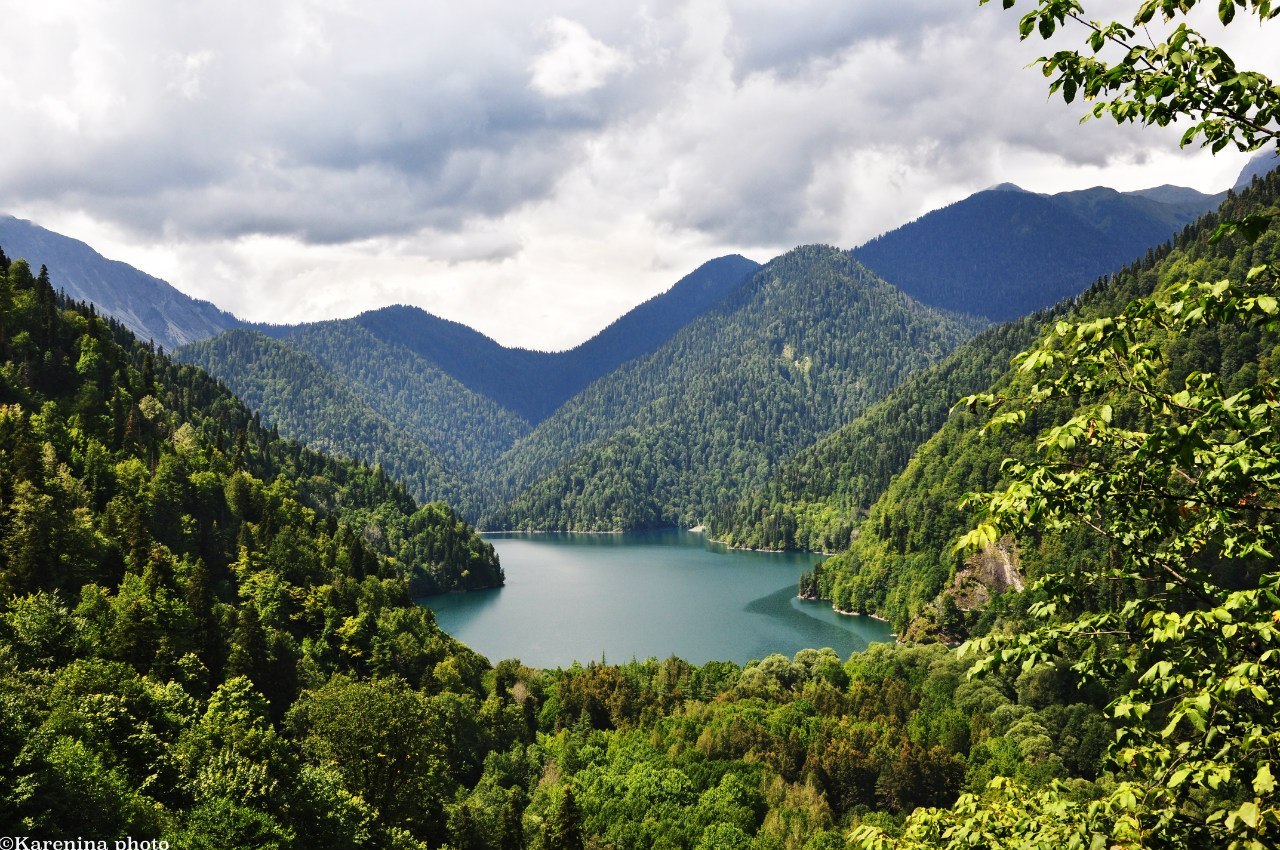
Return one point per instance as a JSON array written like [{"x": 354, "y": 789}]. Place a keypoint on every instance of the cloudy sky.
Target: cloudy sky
[{"x": 532, "y": 169}]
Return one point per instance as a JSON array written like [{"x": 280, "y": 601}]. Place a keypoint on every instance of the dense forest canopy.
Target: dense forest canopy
[
  {"x": 208, "y": 635},
  {"x": 1152, "y": 482},
  {"x": 811, "y": 341}
]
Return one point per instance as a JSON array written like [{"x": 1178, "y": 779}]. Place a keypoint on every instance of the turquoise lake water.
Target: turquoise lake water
[{"x": 585, "y": 597}]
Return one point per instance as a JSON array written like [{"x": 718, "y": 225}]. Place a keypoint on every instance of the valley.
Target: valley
[{"x": 248, "y": 600}]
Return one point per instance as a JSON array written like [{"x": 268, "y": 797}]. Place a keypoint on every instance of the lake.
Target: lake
[{"x": 615, "y": 597}]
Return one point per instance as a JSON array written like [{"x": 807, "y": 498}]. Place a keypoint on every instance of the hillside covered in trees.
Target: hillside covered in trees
[
  {"x": 433, "y": 402},
  {"x": 901, "y": 556},
  {"x": 809, "y": 343},
  {"x": 1005, "y": 252},
  {"x": 341, "y": 390},
  {"x": 816, "y": 500},
  {"x": 207, "y": 635},
  {"x": 533, "y": 384}
]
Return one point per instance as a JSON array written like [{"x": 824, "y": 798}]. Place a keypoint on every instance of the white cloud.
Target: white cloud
[
  {"x": 530, "y": 169},
  {"x": 575, "y": 63}
]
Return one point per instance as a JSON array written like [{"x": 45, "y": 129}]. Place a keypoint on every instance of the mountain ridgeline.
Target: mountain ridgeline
[
  {"x": 644, "y": 425},
  {"x": 1006, "y": 252},
  {"x": 146, "y": 305},
  {"x": 432, "y": 401},
  {"x": 806, "y": 345},
  {"x": 533, "y": 384},
  {"x": 901, "y": 562},
  {"x": 816, "y": 501}
]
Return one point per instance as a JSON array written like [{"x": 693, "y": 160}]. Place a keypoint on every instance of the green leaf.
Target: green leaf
[
  {"x": 1247, "y": 813},
  {"x": 1264, "y": 783}
]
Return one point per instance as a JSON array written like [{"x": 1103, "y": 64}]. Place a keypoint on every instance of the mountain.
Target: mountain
[
  {"x": 532, "y": 384},
  {"x": 901, "y": 558},
  {"x": 338, "y": 388},
  {"x": 1263, "y": 163},
  {"x": 816, "y": 500},
  {"x": 433, "y": 401},
  {"x": 298, "y": 395},
  {"x": 805, "y": 345},
  {"x": 424, "y": 396},
  {"x": 1004, "y": 252},
  {"x": 208, "y": 639},
  {"x": 146, "y": 305}
]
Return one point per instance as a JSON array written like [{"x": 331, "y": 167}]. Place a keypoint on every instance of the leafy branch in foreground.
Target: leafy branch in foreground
[
  {"x": 1159, "y": 79},
  {"x": 1184, "y": 484}
]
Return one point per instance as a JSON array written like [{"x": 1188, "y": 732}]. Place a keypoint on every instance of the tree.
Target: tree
[
  {"x": 1181, "y": 481},
  {"x": 385, "y": 742},
  {"x": 1160, "y": 76},
  {"x": 564, "y": 828}
]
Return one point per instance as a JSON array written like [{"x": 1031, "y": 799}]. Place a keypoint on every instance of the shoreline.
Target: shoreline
[
  {"x": 841, "y": 611},
  {"x": 773, "y": 551},
  {"x": 697, "y": 529},
  {"x": 547, "y": 531}
]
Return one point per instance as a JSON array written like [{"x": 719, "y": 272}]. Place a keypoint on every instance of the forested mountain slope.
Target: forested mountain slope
[
  {"x": 381, "y": 387},
  {"x": 467, "y": 430},
  {"x": 816, "y": 499},
  {"x": 902, "y": 557},
  {"x": 298, "y": 395},
  {"x": 207, "y": 636},
  {"x": 342, "y": 390},
  {"x": 805, "y": 346},
  {"x": 532, "y": 384},
  {"x": 146, "y": 305},
  {"x": 1005, "y": 252}
]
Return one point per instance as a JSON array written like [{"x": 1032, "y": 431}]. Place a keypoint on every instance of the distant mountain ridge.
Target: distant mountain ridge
[
  {"x": 433, "y": 401},
  {"x": 913, "y": 257},
  {"x": 684, "y": 403},
  {"x": 534, "y": 384},
  {"x": 146, "y": 305},
  {"x": 804, "y": 346},
  {"x": 1006, "y": 252},
  {"x": 1262, "y": 164}
]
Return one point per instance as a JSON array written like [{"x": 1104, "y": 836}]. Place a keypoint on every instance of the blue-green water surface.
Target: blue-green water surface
[{"x": 585, "y": 597}]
